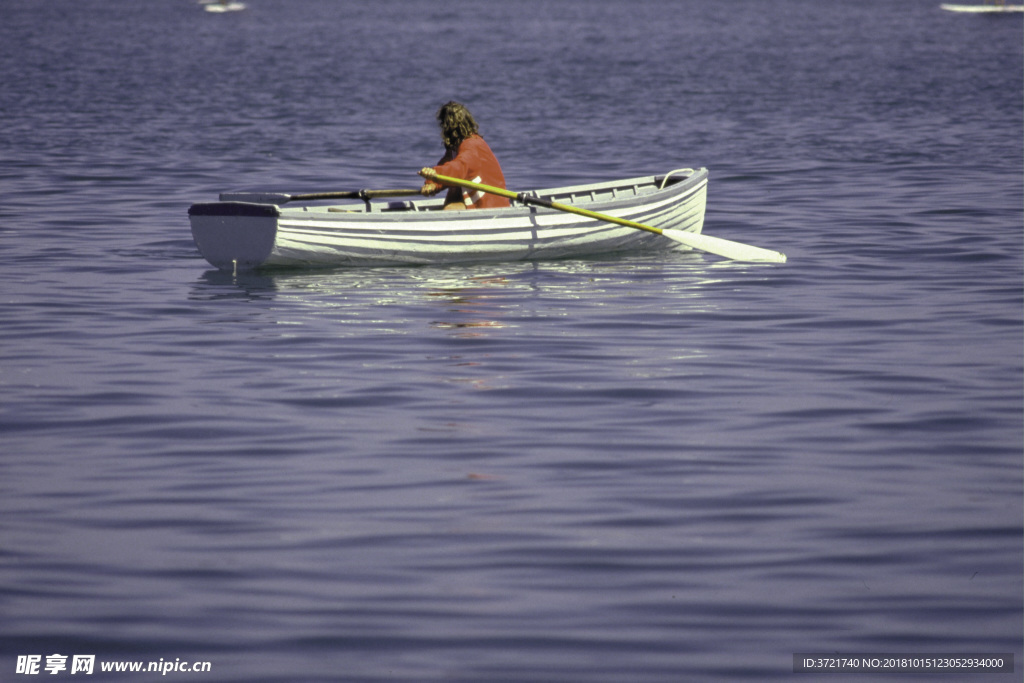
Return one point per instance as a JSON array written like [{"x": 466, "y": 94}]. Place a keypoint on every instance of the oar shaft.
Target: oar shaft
[{"x": 353, "y": 194}]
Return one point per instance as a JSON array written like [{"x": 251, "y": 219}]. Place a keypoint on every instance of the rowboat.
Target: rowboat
[
  {"x": 249, "y": 230},
  {"x": 987, "y": 8},
  {"x": 224, "y": 6}
]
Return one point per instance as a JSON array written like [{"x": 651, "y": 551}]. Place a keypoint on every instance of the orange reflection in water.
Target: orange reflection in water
[{"x": 469, "y": 307}]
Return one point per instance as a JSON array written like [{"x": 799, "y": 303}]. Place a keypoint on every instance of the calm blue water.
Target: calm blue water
[{"x": 655, "y": 468}]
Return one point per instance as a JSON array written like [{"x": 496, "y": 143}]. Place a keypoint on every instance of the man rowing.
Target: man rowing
[{"x": 466, "y": 156}]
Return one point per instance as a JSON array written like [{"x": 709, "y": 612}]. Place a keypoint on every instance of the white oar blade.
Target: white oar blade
[{"x": 725, "y": 248}]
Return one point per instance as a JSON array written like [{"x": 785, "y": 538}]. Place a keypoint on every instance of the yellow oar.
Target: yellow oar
[{"x": 713, "y": 245}]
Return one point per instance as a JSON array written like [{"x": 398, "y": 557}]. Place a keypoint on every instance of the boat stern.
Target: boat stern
[{"x": 234, "y": 236}]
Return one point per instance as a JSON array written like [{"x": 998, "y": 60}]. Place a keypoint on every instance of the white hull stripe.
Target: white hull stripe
[{"x": 471, "y": 198}]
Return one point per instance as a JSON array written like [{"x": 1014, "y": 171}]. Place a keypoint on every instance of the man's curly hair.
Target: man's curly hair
[{"x": 457, "y": 124}]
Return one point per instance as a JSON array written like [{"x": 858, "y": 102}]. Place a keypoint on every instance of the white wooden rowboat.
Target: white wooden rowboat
[
  {"x": 998, "y": 7},
  {"x": 224, "y": 6},
  {"x": 247, "y": 230}
]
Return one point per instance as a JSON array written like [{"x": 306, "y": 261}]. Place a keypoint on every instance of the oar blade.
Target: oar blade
[{"x": 725, "y": 248}]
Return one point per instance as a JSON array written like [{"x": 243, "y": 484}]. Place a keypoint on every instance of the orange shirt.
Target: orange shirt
[{"x": 474, "y": 161}]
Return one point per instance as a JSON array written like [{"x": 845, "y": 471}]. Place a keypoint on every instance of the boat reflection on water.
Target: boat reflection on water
[
  {"x": 403, "y": 334},
  {"x": 470, "y": 307},
  {"x": 469, "y": 301},
  {"x": 388, "y": 300},
  {"x": 218, "y": 284},
  {"x": 318, "y": 292}
]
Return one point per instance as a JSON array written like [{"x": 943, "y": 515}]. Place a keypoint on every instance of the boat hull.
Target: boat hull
[{"x": 240, "y": 234}]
